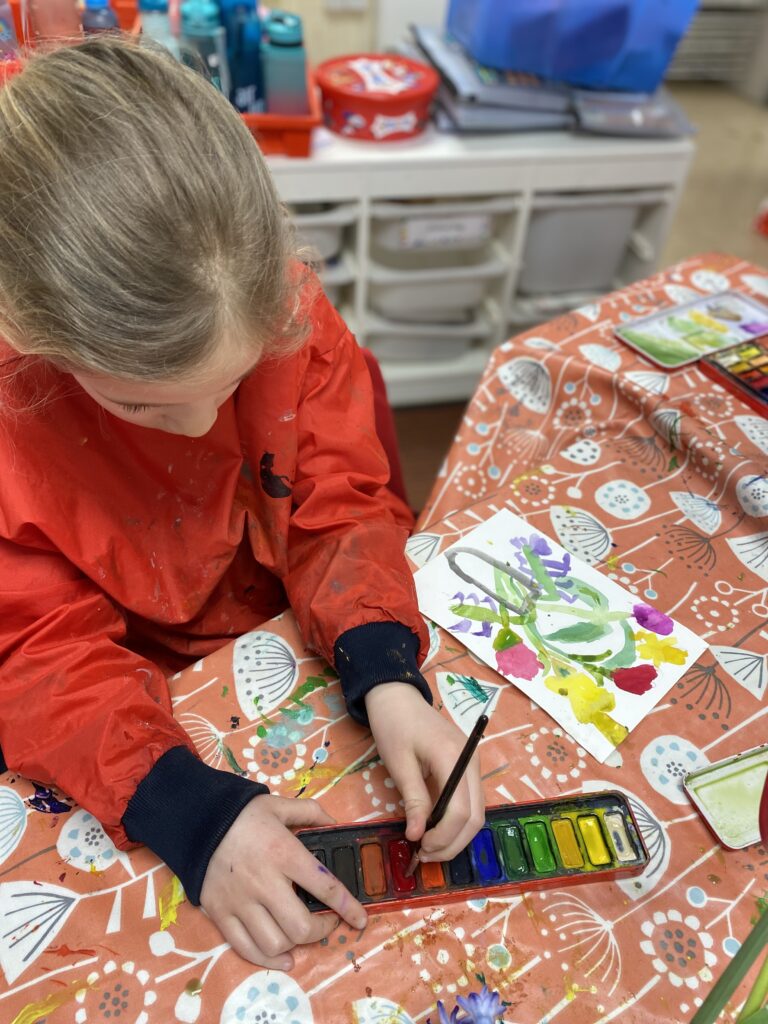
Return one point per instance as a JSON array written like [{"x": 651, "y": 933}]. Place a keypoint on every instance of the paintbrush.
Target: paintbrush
[{"x": 438, "y": 811}]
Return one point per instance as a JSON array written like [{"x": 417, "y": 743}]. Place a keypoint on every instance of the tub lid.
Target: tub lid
[{"x": 377, "y": 76}]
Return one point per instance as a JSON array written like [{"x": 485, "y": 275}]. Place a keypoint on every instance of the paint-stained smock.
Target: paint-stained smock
[{"x": 126, "y": 552}]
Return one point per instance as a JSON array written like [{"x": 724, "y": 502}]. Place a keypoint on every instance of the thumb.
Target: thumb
[
  {"x": 416, "y": 799},
  {"x": 297, "y": 813}
]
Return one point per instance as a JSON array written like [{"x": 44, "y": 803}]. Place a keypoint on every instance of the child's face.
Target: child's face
[{"x": 177, "y": 408}]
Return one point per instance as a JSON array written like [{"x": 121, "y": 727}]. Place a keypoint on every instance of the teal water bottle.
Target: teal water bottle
[
  {"x": 156, "y": 24},
  {"x": 284, "y": 65},
  {"x": 203, "y": 34},
  {"x": 98, "y": 16}
]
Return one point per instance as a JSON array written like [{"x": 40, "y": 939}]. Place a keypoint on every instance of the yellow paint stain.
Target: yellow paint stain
[
  {"x": 392, "y": 1017},
  {"x": 524, "y": 476},
  {"x": 38, "y": 1011},
  {"x": 571, "y": 991},
  {"x": 168, "y": 902},
  {"x": 316, "y": 774}
]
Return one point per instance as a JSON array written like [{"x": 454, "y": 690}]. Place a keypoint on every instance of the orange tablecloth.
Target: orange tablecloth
[{"x": 663, "y": 479}]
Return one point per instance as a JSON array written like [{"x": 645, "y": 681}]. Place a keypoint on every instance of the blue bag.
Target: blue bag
[{"x": 599, "y": 44}]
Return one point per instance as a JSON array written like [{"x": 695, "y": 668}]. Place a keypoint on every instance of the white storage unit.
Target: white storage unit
[{"x": 437, "y": 235}]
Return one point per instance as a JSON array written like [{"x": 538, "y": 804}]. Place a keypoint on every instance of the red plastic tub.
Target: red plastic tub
[
  {"x": 378, "y": 97},
  {"x": 283, "y": 134}
]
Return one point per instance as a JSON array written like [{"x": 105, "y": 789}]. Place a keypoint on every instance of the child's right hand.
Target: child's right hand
[{"x": 248, "y": 888}]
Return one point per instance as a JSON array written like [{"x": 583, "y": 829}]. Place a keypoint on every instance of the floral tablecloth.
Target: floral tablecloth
[{"x": 659, "y": 480}]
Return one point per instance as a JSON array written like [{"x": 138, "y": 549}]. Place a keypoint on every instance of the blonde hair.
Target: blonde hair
[{"x": 139, "y": 224}]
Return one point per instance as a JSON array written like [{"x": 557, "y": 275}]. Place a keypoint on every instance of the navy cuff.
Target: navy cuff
[
  {"x": 183, "y": 809},
  {"x": 378, "y": 652}
]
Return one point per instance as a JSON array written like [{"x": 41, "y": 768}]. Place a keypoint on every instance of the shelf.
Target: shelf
[
  {"x": 434, "y": 381},
  {"x": 508, "y": 177}
]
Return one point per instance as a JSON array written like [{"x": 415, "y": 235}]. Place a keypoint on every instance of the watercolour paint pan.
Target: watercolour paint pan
[
  {"x": 727, "y": 795},
  {"x": 743, "y": 370},
  {"x": 566, "y": 841}
]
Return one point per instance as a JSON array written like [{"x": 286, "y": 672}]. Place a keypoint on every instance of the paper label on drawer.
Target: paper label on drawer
[{"x": 444, "y": 232}]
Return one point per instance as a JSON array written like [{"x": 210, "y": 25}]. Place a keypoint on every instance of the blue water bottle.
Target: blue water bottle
[
  {"x": 203, "y": 34},
  {"x": 243, "y": 28},
  {"x": 284, "y": 65},
  {"x": 247, "y": 78},
  {"x": 98, "y": 16}
]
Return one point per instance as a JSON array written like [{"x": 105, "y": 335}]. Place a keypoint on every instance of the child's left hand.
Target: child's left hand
[{"x": 417, "y": 744}]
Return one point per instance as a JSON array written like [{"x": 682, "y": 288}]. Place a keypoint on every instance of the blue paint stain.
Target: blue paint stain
[{"x": 484, "y": 856}]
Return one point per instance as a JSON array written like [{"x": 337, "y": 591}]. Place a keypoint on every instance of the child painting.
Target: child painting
[{"x": 187, "y": 448}]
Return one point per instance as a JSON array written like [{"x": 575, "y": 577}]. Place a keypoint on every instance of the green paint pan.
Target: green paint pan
[{"x": 727, "y": 795}]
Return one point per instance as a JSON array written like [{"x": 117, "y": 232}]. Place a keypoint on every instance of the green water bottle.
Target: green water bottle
[{"x": 284, "y": 65}]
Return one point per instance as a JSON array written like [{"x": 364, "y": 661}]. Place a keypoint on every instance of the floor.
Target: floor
[{"x": 728, "y": 180}]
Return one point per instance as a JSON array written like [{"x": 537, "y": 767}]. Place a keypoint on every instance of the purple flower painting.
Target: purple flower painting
[{"x": 649, "y": 618}]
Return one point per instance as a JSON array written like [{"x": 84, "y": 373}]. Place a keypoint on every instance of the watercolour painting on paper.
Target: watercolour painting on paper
[{"x": 591, "y": 654}]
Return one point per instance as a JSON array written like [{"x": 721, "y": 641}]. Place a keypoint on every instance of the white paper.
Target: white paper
[{"x": 617, "y": 660}]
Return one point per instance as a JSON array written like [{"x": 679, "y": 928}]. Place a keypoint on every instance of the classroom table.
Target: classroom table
[{"x": 663, "y": 477}]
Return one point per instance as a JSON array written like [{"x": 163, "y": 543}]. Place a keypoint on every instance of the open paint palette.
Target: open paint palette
[
  {"x": 574, "y": 839},
  {"x": 743, "y": 370},
  {"x": 727, "y": 794}
]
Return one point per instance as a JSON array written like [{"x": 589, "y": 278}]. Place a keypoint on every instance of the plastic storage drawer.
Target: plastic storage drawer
[
  {"x": 323, "y": 230},
  {"x": 578, "y": 242},
  {"x": 399, "y": 227},
  {"x": 447, "y": 294},
  {"x": 391, "y": 341}
]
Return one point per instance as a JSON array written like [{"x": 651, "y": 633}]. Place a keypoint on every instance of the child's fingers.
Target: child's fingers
[
  {"x": 307, "y": 872},
  {"x": 299, "y": 925},
  {"x": 300, "y": 813},
  {"x": 265, "y": 932},
  {"x": 463, "y": 819},
  {"x": 408, "y": 777},
  {"x": 237, "y": 935}
]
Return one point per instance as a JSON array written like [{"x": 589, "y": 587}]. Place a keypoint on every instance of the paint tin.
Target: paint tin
[
  {"x": 566, "y": 841},
  {"x": 727, "y": 795}
]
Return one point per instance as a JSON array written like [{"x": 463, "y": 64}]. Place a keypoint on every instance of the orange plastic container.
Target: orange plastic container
[
  {"x": 287, "y": 134},
  {"x": 276, "y": 134}
]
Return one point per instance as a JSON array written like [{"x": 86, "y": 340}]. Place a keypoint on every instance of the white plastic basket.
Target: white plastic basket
[
  {"x": 398, "y": 227},
  {"x": 323, "y": 230},
  {"x": 436, "y": 295},
  {"x": 392, "y": 341},
  {"x": 578, "y": 242}
]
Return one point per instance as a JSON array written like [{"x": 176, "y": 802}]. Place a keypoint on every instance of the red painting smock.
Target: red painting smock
[{"x": 126, "y": 552}]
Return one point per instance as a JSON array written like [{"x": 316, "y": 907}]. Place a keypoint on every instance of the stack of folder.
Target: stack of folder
[{"x": 477, "y": 99}]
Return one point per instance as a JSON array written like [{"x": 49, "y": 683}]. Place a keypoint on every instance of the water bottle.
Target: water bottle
[
  {"x": 203, "y": 34},
  {"x": 54, "y": 19},
  {"x": 247, "y": 80},
  {"x": 284, "y": 65},
  {"x": 243, "y": 28},
  {"x": 156, "y": 24},
  {"x": 9, "y": 44},
  {"x": 98, "y": 16}
]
